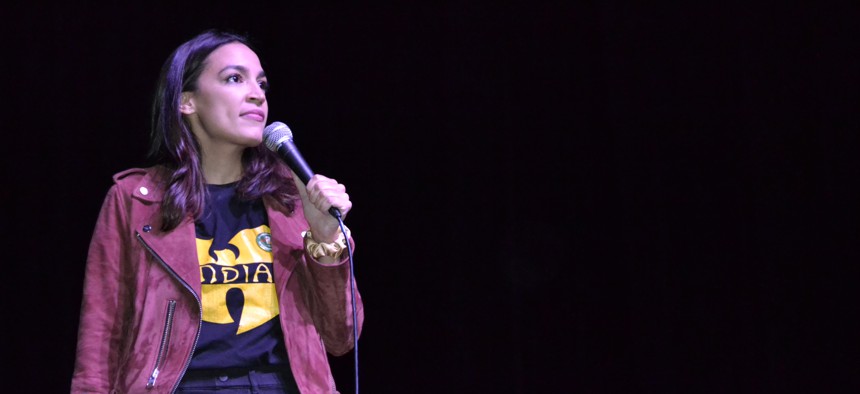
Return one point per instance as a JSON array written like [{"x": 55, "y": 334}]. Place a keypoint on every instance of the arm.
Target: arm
[
  {"x": 103, "y": 302},
  {"x": 327, "y": 286},
  {"x": 329, "y": 295}
]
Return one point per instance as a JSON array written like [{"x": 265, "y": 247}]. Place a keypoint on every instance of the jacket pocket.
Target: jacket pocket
[{"x": 165, "y": 342}]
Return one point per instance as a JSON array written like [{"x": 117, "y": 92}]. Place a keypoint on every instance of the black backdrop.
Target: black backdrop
[{"x": 594, "y": 198}]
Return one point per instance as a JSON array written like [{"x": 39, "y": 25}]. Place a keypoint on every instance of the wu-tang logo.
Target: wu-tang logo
[{"x": 245, "y": 265}]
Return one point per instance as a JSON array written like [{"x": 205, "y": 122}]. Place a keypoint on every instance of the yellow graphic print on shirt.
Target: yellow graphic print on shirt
[{"x": 250, "y": 271}]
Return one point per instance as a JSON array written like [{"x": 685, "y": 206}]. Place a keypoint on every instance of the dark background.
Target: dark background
[{"x": 549, "y": 197}]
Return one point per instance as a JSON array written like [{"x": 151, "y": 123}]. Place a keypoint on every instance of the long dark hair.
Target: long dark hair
[{"x": 172, "y": 144}]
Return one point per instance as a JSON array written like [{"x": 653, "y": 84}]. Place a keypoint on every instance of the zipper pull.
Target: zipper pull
[{"x": 152, "y": 378}]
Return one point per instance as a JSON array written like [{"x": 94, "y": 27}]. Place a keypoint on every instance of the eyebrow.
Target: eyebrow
[{"x": 242, "y": 69}]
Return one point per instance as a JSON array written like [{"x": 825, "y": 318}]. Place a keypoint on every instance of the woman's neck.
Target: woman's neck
[{"x": 222, "y": 167}]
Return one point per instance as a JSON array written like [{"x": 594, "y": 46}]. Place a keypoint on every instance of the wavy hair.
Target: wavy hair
[{"x": 173, "y": 145}]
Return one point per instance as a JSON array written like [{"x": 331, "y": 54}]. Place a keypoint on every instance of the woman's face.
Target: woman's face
[{"x": 229, "y": 107}]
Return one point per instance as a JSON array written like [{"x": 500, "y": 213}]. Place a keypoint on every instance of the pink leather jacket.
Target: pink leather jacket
[{"x": 141, "y": 311}]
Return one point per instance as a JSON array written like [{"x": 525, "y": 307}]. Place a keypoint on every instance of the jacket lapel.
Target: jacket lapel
[{"x": 175, "y": 249}]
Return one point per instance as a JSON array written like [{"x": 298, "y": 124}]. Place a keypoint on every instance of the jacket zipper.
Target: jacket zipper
[
  {"x": 165, "y": 340},
  {"x": 199, "y": 307}
]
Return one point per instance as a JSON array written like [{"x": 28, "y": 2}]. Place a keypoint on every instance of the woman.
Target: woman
[{"x": 199, "y": 274}]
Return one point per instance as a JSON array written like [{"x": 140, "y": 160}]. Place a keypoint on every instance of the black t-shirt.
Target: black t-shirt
[{"x": 240, "y": 306}]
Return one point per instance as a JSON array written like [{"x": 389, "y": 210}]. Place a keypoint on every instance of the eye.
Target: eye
[
  {"x": 264, "y": 85},
  {"x": 234, "y": 78}
]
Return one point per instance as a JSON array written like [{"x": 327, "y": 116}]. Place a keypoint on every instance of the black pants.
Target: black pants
[{"x": 266, "y": 380}]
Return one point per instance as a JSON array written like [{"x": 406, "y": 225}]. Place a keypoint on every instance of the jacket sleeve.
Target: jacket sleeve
[
  {"x": 329, "y": 295},
  {"x": 104, "y": 300}
]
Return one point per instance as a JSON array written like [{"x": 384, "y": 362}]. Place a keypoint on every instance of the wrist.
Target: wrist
[{"x": 318, "y": 250}]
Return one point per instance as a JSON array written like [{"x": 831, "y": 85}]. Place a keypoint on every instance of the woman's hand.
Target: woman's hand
[{"x": 320, "y": 194}]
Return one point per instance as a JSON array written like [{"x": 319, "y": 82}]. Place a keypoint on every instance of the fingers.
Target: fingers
[
  {"x": 303, "y": 192},
  {"x": 324, "y": 192}
]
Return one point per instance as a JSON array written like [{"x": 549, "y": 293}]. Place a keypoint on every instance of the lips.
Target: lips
[{"x": 255, "y": 115}]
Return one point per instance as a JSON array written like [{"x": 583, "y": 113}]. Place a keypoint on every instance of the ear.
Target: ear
[{"x": 186, "y": 107}]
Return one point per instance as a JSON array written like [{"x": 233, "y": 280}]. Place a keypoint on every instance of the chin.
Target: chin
[
  {"x": 253, "y": 138},
  {"x": 248, "y": 141},
  {"x": 254, "y": 142}
]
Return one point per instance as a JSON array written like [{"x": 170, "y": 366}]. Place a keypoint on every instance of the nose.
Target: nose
[{"x": 257, "y": 94}]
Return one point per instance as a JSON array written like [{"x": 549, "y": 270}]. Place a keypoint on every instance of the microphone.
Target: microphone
[{"x": 278, "y": 138}]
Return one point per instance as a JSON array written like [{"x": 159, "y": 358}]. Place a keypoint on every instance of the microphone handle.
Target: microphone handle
[{"x": 297, "y": 163}]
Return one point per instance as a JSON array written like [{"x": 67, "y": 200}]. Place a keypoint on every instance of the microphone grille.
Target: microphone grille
[{"x": 276, "y": 133}]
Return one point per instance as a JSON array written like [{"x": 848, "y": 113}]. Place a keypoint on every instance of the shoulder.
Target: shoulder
[
  {"x": 136, "y": 174},
  {"x": 145, "y": 183}
]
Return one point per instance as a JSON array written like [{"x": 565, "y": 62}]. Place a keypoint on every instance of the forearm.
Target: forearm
[{"x": 330, "y": 293}]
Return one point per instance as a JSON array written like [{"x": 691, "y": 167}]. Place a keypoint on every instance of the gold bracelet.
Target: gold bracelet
[{"x": 320, "y": 249}]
